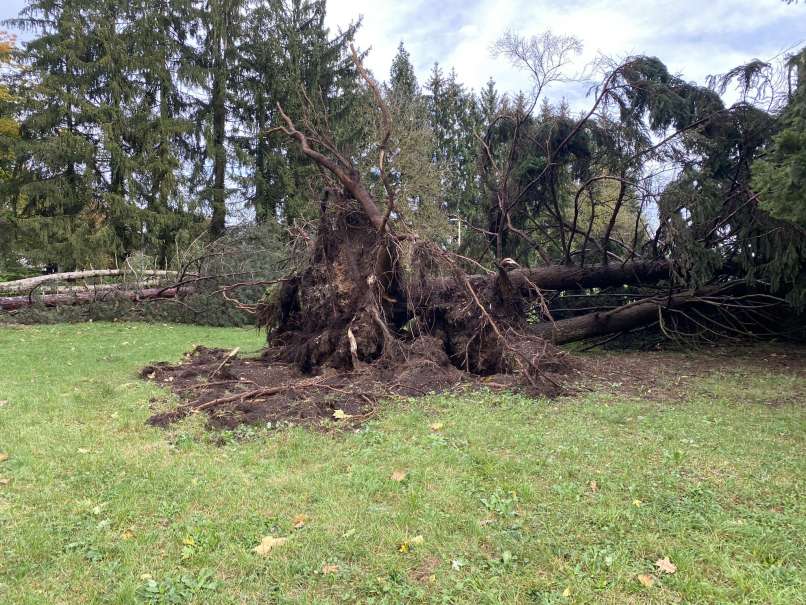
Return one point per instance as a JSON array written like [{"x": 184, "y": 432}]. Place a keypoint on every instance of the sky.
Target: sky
[{"x": 694, "y": 38}]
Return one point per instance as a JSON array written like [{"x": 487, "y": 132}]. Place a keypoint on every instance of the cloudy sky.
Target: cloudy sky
[{"x": 694, "y": 38}]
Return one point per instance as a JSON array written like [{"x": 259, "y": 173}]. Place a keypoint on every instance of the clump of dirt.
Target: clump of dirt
[{"x": 235, "y": 390}]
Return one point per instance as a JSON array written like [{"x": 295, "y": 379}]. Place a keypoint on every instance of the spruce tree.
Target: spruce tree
[
  {"x": 60, "y": 214},
  {"x": 779, "y": 176}
]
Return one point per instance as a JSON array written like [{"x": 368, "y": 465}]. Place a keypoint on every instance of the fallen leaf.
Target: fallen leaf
[
  {"x": 326, "y": 569},
  {"x": 594, "y": 487},
  {"x": 406, "y": 545},
  {"x": 5, "y": 481},
  {"x": 3, "y": 402},
  {"x": 665, "y": 565},
  {"x": 398, "y": 476},
  {"x": 341, "y": 415},
  {"x": 637, "y": 503},
  {"x": 3, "y": 456},
  {"x": 127, "y": 534},
  {"x": 646, "y": 580},
  {"x": 437, "y": 426},
  {"x": 267, "y": 544},
  {"x": 567, "y": 592},
  {"x": 299, "y": 521}
]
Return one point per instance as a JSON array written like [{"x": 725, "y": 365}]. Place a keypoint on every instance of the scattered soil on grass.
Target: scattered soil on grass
[{"x": 235, "y": 390}]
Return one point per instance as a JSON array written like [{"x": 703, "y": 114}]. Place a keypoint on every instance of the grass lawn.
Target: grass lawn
[{"x": 497, "y": 505}]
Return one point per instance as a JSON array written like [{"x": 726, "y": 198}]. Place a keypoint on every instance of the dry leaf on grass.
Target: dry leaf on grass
[
  {"x": 3, "y": 456},
  {"x": 406, "y": 545},
  {"x": 267, "y": 544},
  {"x": 5, "y": 481},
  {"x": 646, "y": 580},
  {"x": 3, "y": 402},
  {"x": 326, "y": 569},
  {"x": 437, "y": 426},
  {"x": 637, "y": 503},
  {"x": 299, "y": 521},
  {"x": 341, "y": 415},
  {"x": 665, "y": 565},
  {"x": 398, "y": 476},
  {"x": 567, "y": 592},
  {"x": 127, "y": 534}
]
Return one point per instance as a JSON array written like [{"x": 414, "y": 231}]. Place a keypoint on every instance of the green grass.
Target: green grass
[{"x": 97, "y": 507}]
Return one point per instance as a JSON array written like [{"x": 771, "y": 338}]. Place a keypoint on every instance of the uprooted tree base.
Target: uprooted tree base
[
  {"x": 234, "y": 390},
  {"x": 372, "y": 315},
  {"x": 366, "y": 320}
]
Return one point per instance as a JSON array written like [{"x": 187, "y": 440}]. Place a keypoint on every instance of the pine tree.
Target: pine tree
[
  {"x": 402, "y": 79},
  {"x": 289, "y": 57},
  {"x": 59, "y": 208},
  {"x": 161, "y": 131},
  {"x": 9, "y": 136},
  {"x": 221, "y": 23},
  {"x": 779, "y": 176},
  {"x": 456, "y": 121}
]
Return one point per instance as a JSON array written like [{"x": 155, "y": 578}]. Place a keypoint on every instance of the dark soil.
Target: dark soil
[{"x": 237, "y": 390}]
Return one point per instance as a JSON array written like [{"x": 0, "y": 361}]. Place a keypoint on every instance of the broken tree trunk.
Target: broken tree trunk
[
  {"x": 566, "y": 277},
  {"x": 12, "y": 303},
  {"x": 28, "y": 284},
  {"x": 622, "y": 319}
]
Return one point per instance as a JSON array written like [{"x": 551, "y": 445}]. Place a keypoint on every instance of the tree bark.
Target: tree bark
[
  {"x": 27, "y": 284},
  {"x": 621, "y": 319},
  {"x": 12, "y": 303},
  {"x": 564, "y": 277}
]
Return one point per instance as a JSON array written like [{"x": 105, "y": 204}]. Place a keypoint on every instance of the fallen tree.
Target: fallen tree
[
  {"x": 89, "y": 296},
  {"x": 374, "y": 301},
  {"x": 31, "y": 283}
]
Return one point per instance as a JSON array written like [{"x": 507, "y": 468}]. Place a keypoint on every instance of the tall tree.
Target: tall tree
[
  {"x": 57, "y": 192},
  {"x": 221, "y": 25},
  {"x": 779, "y": 176},
  {"x": 456, "y": 121}
]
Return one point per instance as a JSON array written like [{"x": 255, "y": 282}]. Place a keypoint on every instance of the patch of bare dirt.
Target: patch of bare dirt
[
  {"x": 235, "y": 390},
  {"x": 673, "y": 375}
]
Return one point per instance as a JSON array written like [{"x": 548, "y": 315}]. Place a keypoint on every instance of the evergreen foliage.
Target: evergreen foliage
[{"x": 779, "y": 176}]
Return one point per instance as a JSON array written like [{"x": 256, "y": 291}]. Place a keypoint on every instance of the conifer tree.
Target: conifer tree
[
  {"x": 60, "y": 218},
  {"x": 780, "y": 175}
]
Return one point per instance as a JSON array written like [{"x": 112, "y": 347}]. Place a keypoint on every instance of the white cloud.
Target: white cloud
[{"x": 694, "y": 38}]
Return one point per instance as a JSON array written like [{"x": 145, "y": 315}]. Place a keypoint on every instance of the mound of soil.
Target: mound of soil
[{"x": 235, "y": 390}]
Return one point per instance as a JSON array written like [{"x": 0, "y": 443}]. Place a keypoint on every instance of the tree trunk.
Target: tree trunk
[
  {"x": 565, "y": 277},
  {"x": 622, "y": 319},
  {"x": 29, "y": 283},
  {"x": 219, "y": 218},
  {"x": 13, "y": 303}
]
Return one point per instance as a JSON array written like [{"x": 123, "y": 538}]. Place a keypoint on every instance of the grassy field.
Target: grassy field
[{"x": 504, "y": 499}]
